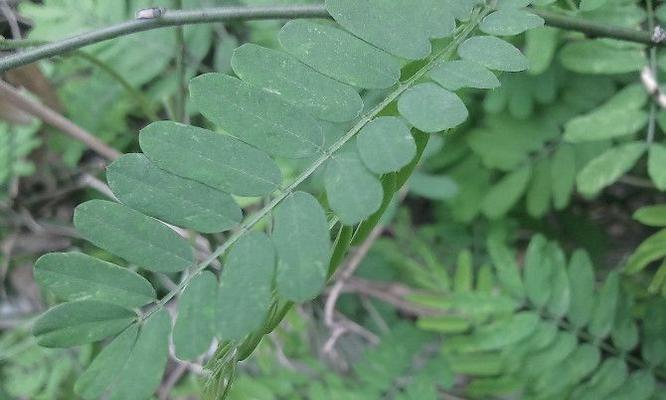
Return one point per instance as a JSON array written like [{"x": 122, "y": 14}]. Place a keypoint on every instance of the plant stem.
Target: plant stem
[
  {"x": 223, "y": 14},
  {"x": 594, "y": 29},
  {"x": 179, "y": 107},
  {"x": 169, "y": 18}
]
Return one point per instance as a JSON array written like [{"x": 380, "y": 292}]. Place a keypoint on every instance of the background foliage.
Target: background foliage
[{"x": 525, "y": 257}]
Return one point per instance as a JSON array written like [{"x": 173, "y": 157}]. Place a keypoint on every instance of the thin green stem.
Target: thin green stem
[
  {"x": 649, "y": 6},
  {"x": 594, "y": 29},
  {"x": 181, "y": 91},
  {"x": 224, "y": 14},
  {"x": 253, "y": 219},
  {"x": 169, "y": 18}
]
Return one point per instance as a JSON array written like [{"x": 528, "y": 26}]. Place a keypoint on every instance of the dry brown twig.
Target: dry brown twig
[
  {"x": 21, "y": 101},
  {"x": 343, "y": 325}
]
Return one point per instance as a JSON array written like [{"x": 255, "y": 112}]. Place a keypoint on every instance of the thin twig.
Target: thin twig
[
  {"x": 169, "y": 18},
  {"x": 225, "y": 14},
  {"x": 11, "y": 19},
  {"x": 56, "y": 120}
]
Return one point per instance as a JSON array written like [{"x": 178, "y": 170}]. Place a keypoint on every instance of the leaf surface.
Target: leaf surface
[
  {"x": 430, "y": 108},
  {"x": 197, "y": 317},
  {"x": 255, "y": 116},
  {"x": 493, "y": 53},
  {"x": 301, "y": 238},
  {"x": 337, "y": 54},
  {"x": 216, "y": 160},
  {"x": 245, "y": 288},
  {"x": 353, "y": 193},
  {"x": 282, "y": 74},
  {"x": 140, "y": 184},
  {"x": 77, "y": 276},
  {"x": 80, "y": 322},
  {"x": 386, "y": 144},
  {"x": 133, "y": 236},
  {"x": 458, "y": 74}
]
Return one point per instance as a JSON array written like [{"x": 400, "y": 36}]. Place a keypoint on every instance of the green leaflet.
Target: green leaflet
[
  {"x": 461, "y": 9},
  {"x": 657, "y": 165},
  {"x": 563, "y": 175},
  {"x": 609, "y": 167},
  {"x": 449, "y": 324},
  {"x": 651, "y": 215},
  {"x": 512, "y": 4},
  {"x": 337, "y": 54},
  {"x": 597, "y": 57},
  {"x": 509, "y": 22},
  {"x": 497, "y": 334},
  {"x": 462, "y": 280},
  {"x": 79, "y": 322},
  {"x": 429, "y": 108},
  {"x": 625, "y": 331},
  {"x": 282, "y": 74},
  {"x": 605, "y": 123},
  {"x": 197, "y": 317},
  {"x": 434, "y": 187},
  {"x": 640, "y": 385},
  {"x": 386, "y": 144},
  {"x": 579, "y": 364},
  {"x": 563, "y": 345},
  {"x": 589, "y": 5},
  {"x": 652, "y": 249},
  {"x": 143, "y": 186},
  {"x": 458, "y": 74},
  {"x": 301, "y": 238},
  {"x": 538, "y": 272},
  {"x": 507, "y": 268},
  {"x": 560, "y": 296},
  {"x": 653, "y": 345},
  {"x": 506, "y": 193},
  {"x": 479, "y": 364},
  {"x": 256, "y": 116},
  {"x": 101, "y": 372},
  {"x": 131, "y": 235},
  {"x": 353, "y": 193},
  {"x": 581, "y": 284},
  {"x": 540, "y": 47},
  {"x": 77, "y": 276},
  {"x": 142, "y": 371},
  {"x": 246, "y": 284},
  {"x": 603, "y": 315},
  {"x": 371, "y": 20},
  {"x": 609, "y": 377},
  {"x": 539, "y": 190},
  {"x": 216, "y": 160},
  {"x": 493, "y": 53}
]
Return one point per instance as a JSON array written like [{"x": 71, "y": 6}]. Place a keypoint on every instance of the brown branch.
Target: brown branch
[{"x": 48, "y": 116}]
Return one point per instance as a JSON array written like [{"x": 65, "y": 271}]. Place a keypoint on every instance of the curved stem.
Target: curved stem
[
  {"x": 169, "y": 18},
  {"x": 223, "y": 14}
]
